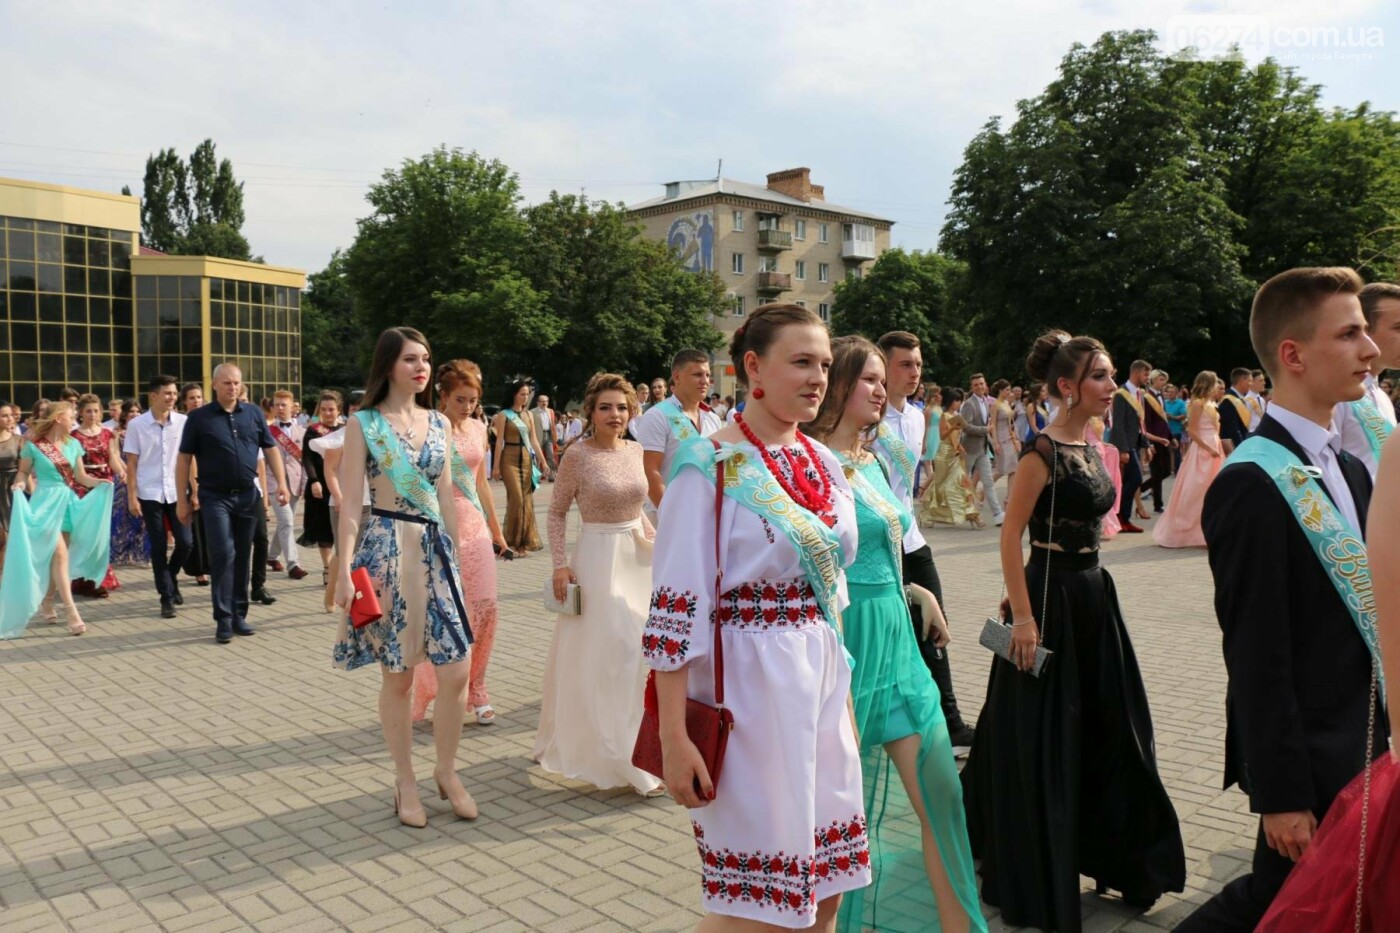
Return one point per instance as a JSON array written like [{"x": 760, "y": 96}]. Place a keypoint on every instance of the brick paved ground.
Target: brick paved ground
[{"x": 155, "y": 780}]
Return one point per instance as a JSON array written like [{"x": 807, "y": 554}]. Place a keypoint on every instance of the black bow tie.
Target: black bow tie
[{"x": 284, "y": 424}]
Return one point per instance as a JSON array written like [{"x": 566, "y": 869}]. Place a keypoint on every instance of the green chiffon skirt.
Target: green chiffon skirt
[
  {"x": 895, "y": 697},
  {"x": 35, "y": 524}
]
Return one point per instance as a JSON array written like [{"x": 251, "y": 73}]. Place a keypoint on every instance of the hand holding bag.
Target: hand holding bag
[
  {"x": 707, "y": 726},
  {"x": 364, "y": 602}
]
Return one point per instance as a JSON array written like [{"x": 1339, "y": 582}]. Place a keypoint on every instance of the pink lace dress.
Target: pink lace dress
[{"x": 477, "y": 561}]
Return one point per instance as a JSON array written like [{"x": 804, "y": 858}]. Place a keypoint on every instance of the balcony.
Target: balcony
[
  {"x": 770, "y": 283},
  {"x": 857, "y": 250},
  {"x": 774, "y": 239}
]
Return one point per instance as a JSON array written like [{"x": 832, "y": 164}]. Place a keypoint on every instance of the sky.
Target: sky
[{"x": 313, "y": 101}]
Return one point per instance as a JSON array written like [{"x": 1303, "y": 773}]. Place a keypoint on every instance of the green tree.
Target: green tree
[
  {"x": 919, "y": 292},
  {"x": 333, "y": 349},
  {"x": 194, "y": 208},
  {"x": 441, "y": 251}
]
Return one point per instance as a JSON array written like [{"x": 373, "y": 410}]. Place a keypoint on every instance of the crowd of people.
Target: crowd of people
[{"x": 766, "y": 557}]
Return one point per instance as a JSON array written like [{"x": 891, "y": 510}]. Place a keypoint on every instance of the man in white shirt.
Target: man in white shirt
[
  {"x": 1254, "y": 398},
  {"x": 151, "y": 449},
  {"x": 289, "y": 437},
  {"x": 114, "y": 414},
  {"x": 1365, "y": 424},
  {"x": 574, "y": 429},
  {"x": 899, "y": 445},
  {"x": 673, "y": 419}
]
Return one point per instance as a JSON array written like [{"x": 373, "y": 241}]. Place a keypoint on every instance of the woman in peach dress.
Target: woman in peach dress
[
  {"x": 459, "y": 393},
  {"x": 1093, "y": 433},
  {"x": 1180, "y": 525}
]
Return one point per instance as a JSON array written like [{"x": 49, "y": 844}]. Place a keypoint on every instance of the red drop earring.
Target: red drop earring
[{"x": 758, "y": 392}]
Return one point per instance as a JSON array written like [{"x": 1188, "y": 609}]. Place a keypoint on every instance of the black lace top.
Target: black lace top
[{"x": 1083, "y": 495}]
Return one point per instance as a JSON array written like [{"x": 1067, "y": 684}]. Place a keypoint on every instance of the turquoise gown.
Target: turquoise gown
[
  {"x": 35, "y": 524},
  {"x": 895, "y": 697}
]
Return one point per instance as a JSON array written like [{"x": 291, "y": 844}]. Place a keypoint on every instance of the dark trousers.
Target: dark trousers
[
  {"x": 1132, "y": 479},
  {"x": 260, "y": 544},
  {"x": 1242, "y": 903},
  {"x": 919, "y": 568},
  {"x": 229, "y": 520},
  {"x": 1158, "y": 470},
  {"x": 165, "y": 569}
]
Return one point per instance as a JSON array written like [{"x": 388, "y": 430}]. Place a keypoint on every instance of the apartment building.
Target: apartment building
[{"x": 779, "y": 242}]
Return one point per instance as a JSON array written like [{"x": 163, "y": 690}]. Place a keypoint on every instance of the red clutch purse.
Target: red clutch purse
[
  {"x": 364, "y": 603},
  {"x": 707, "y": 726}
]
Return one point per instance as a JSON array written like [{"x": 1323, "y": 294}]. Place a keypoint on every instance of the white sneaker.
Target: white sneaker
[{"x": 998, "y": 520}]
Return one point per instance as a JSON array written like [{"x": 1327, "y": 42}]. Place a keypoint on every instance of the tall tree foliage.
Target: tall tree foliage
[
  {"x": 330, "y": 336},
  {"x": 193, "y": 207},
  {"x": 1142, "y": 197}
]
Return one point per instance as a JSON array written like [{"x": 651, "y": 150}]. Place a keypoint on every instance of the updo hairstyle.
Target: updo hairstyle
[
  {"x": 1056, "y": 355},
  {"x": 761, "y": 329},
  {"x": 608, "y": 382},
  {"x": 454, "y": 375}
]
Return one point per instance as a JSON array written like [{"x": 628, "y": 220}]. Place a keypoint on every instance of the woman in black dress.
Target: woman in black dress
[
  {"x": 317, "y": 529},
  {"x": 1062, "y": 780}
]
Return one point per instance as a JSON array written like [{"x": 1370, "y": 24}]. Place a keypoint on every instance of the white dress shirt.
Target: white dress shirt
[
  {"x": 157, "y": 447},
  {"x": 1322, "y": 445},
  {"x": 909, "y": 426},
  {"x": 1354, "y": 439},
  {"x": 656, "y": 435}
]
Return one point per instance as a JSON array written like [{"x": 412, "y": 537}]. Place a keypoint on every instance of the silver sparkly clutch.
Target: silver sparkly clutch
[{"x": 996, "y": 638}]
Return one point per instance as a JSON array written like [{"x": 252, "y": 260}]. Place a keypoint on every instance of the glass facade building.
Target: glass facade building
[{"x": 82, "y": 305}]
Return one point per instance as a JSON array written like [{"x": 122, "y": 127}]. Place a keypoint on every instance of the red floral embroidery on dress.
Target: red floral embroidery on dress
[
  {"x": 765, "y": 604},
  {"x": 669, "y": 626},
  {"x": 842, "y": 848}
]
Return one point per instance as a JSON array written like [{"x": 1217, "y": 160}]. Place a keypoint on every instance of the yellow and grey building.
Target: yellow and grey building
[
  {"x": 83, "y": 305},
  {"x": 779, "y": 242}
]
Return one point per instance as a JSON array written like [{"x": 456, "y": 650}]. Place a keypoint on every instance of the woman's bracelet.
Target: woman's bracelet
[{"x": 1019, "y": 624}]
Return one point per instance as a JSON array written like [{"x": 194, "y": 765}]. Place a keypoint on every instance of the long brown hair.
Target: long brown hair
[
  {"x": 386, "y": 353},
  {"x": 40, "y": 427},
  {"x": 848, "y": 358}
]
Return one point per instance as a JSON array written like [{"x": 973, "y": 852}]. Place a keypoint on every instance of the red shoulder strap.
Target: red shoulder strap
[{"x": 719, "y": 575}]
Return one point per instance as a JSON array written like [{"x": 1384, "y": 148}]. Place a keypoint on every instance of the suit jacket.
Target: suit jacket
[
  {"x": 977, "y": 413},
  {"x": 293, "y": 466},
  {"x": 1232, "y": 428},
  {"x": 1300, "y": 673},
  {"x": 1125, "y": 432},
  {"x": 1152, "y": 422}
]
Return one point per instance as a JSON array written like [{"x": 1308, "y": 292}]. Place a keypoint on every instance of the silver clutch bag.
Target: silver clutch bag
[
  {"x": 996, "y": 638},
  {"x": 573, "y": 599}
]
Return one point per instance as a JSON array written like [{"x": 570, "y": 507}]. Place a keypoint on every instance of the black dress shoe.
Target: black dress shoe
[
  {"x": 223, "y": 638},
  {"x": 961, "y": 736},
  {"x": 167, "y": 609},
  {"x": 243, "y": 628},
  {"x": 175, "y": 596},
  {"x": 261, "y": 595}
]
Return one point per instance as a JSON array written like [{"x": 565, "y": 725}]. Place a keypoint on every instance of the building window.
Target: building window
[
  {"x": 854, "y": 273},
  {"x": 736, "y": 264},
  {"x": 799, "y": 231},
  {"x": 801, "y": 272},
  {"x": 824, "y": 311},
  {"x": 823, "y": 234},
  {"x": 769, "y": 221},
  {"x": 823, "y": 272},
  {"x": 768, "y": 264},
  {"x": 738, "y": 220},
  {"x": 738, "y": 306}
]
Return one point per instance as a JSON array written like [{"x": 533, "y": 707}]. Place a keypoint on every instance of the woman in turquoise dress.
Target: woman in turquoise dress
[
  {"x": 397, "y": 443},
  {"x": 57, "y": 535},
  {"x": 920, "y": 855}
]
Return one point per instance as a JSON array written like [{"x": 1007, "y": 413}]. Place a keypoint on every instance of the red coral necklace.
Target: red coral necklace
[{"x": 814, "y": 497}]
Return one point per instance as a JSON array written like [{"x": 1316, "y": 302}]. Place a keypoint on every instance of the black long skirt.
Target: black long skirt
[
  {"x": 1062, "y": 780},
  {"x": 316, "y": 527}
]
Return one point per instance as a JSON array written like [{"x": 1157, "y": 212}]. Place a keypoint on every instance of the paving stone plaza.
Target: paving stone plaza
[{"x": 153, "y": 780}]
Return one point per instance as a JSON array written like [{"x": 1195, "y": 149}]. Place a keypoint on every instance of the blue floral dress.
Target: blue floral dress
[{"x": 414, "y": 571}]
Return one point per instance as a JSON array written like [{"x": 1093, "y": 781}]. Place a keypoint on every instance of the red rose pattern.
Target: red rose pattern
[
  {"x": 666, "y": 639},
  {"x": 780, "y": 881},
  {"x": 767, "y": 604}
]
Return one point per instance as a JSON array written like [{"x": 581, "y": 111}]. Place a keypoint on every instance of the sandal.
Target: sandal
[
  {"x": 485, "y": 715},
  {"x": 49, "y": 616},
  {"x": 75, "y": 621}
]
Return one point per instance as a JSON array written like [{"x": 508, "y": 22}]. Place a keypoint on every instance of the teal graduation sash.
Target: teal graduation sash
[
  {"x": 882, "y": 501},
  {"x": 891, "y": 448},
  {"x": 388, "y": 451},
  {"x": 463, "y": 477},
  {"x": 681, "y": 425},
  {"x": 524, "y": 431},
  {"x": 1376, "y": 428},
  {"x": 748, "y": 482},
  {"x": 1338, "y": 546}
]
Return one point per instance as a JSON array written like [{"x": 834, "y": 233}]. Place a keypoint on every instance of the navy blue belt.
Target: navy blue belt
[{"x": 435, "y": 540}]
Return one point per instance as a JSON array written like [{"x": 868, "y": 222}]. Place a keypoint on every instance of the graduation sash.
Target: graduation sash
[
  {"x": 892, "y": 450},
  {"x": 60, "y": 463},
  {"x": 1376, "y": 428},
  {"x": 1156, "y": 404},
  {"x": 681, "y": 425},
  {"x": 882, "y": 502},
  {"x": 463, "y": 477},
  {"x": 1246, "y": 416},
  {"x": 284, "y": 440},
  {"x": 524, "y": 431},
  {"x": 1132, "y": 400},
  {"x": 387, "y": 449},
  {"x": 1338, "y": 546},
  {"x": 748, "y": 482}
]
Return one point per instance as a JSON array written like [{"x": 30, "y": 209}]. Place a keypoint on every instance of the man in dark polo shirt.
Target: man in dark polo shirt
[{"x": 224, "y": 438}]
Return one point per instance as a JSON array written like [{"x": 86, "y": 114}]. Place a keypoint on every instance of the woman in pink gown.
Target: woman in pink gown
[
  {"x": 1180, "y": 525},
  {"x": 1093, "y": 433},
  {"x": 459, "y": 389}
]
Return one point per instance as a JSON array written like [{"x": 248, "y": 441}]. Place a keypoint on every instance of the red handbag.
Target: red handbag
[
  {"x": 364, "y": 602},
  {"x": 707, "y": 726}
]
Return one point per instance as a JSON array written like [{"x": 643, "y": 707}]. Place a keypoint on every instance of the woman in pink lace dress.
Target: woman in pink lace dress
[
  {"x": 591, "y": 705},
  {"x": 459, "y": 392}
]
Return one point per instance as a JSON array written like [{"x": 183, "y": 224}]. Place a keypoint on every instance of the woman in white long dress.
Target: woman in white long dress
[{"x": 591, "y": 705}]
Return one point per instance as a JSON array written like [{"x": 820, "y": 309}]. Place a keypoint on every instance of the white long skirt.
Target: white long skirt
[{"x": 591, "y": 704}]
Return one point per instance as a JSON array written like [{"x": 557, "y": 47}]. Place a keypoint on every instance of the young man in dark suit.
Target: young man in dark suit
[
  {"x": 1125, "y": 433},
  {"x": 1236, "y": 418},
  {"x": 1299, "y": 692}
]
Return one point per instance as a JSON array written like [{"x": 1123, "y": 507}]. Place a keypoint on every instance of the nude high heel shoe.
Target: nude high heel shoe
[
  {"x": 76, "y": 626},
  {"x": 413, "y": 819},
  {"x": 464, "y": 809}
]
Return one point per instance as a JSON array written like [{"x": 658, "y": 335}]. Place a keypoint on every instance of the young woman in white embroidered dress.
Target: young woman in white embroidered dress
[{"x": 783, "y": 836}]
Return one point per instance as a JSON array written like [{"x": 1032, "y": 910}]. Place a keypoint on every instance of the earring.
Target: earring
[
  {"x": 1069, "y": 401},
  {"x": 758, "y": 392}
]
